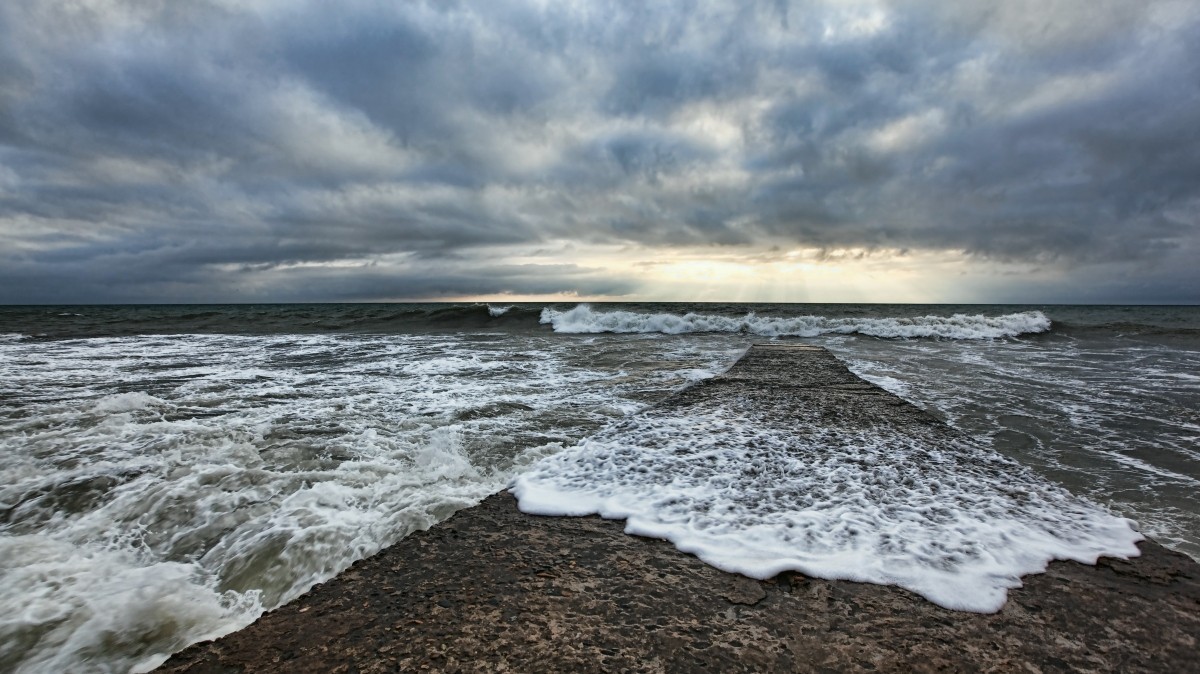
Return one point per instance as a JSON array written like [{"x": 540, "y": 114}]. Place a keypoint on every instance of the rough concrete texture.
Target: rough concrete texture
[{"x": 493, "y": 589}]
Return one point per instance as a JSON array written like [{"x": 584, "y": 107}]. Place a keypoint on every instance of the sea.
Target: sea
[{"x": 168, "y": 473}]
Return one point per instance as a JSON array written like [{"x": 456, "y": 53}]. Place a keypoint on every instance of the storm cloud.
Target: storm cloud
[{"x": 308, "y": 151}]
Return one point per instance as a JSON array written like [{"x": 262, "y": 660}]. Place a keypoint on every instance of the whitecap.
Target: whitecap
[
  {"x": 120, "y": 403},
  {"x": 582, "y": 319}
]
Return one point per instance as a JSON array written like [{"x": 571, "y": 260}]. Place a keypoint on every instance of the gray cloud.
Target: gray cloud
[{"x": 302, "y": 151}]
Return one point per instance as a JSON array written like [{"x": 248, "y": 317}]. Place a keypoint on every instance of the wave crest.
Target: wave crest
[{"x": 584, "y": 320}]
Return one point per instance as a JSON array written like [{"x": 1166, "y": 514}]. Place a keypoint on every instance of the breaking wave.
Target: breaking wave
[{"x": 584, "y": 320}]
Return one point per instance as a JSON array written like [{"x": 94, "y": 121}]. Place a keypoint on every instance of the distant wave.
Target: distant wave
[
  {"x": 769, "y": 321},
  {"x": 584, "y": 320}
]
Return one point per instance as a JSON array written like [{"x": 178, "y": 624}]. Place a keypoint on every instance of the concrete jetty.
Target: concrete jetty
[{"x": 493, "y": 589}]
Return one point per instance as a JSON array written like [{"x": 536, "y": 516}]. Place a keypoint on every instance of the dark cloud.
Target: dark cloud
[{"x": 304, "y": 151}]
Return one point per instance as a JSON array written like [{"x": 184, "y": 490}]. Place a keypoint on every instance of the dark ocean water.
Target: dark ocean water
[
  {"x": 169, "y": 472},
  {"x": 61, "y": 322}
]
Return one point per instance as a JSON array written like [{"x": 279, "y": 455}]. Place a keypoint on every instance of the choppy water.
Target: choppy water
[
  {"x": 1112, "y": 414},
  {"x": 170, "y": 472}
]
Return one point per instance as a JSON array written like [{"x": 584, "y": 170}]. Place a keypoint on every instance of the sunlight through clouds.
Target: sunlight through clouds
[{"x": 147, "y": 149}]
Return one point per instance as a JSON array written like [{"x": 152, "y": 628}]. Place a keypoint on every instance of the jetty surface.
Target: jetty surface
[{"x": 493, "y": 589}]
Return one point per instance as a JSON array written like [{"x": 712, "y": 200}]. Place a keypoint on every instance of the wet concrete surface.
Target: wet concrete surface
[{"x": 495, "y": 590}]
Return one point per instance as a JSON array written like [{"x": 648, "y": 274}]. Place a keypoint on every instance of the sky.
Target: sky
[{"x": 783, "y": 151}]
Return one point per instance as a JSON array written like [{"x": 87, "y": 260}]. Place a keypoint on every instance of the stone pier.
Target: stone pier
[{"x": 495, "y": 590}]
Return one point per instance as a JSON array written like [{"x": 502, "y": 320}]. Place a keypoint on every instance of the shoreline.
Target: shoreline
[{"x": 493, "y": 589}]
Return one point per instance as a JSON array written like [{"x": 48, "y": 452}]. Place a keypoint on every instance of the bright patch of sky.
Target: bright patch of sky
[{"x": 776, "y": 151}]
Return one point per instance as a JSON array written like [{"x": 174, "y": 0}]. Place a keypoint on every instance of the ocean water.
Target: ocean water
[{"x": 168, "y": 473}]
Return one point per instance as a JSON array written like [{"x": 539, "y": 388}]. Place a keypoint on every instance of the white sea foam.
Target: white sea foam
[
  {"x": 159, "y": 490},
  {"x": 125, "y": 402},
  {"x": 583, "y": 319},
  {"x": 97, "y": 598},
  {"x": 498, "y": 311},
  {"x": 1092, "y": 413},
  {"x": 754, "y": 491}
]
